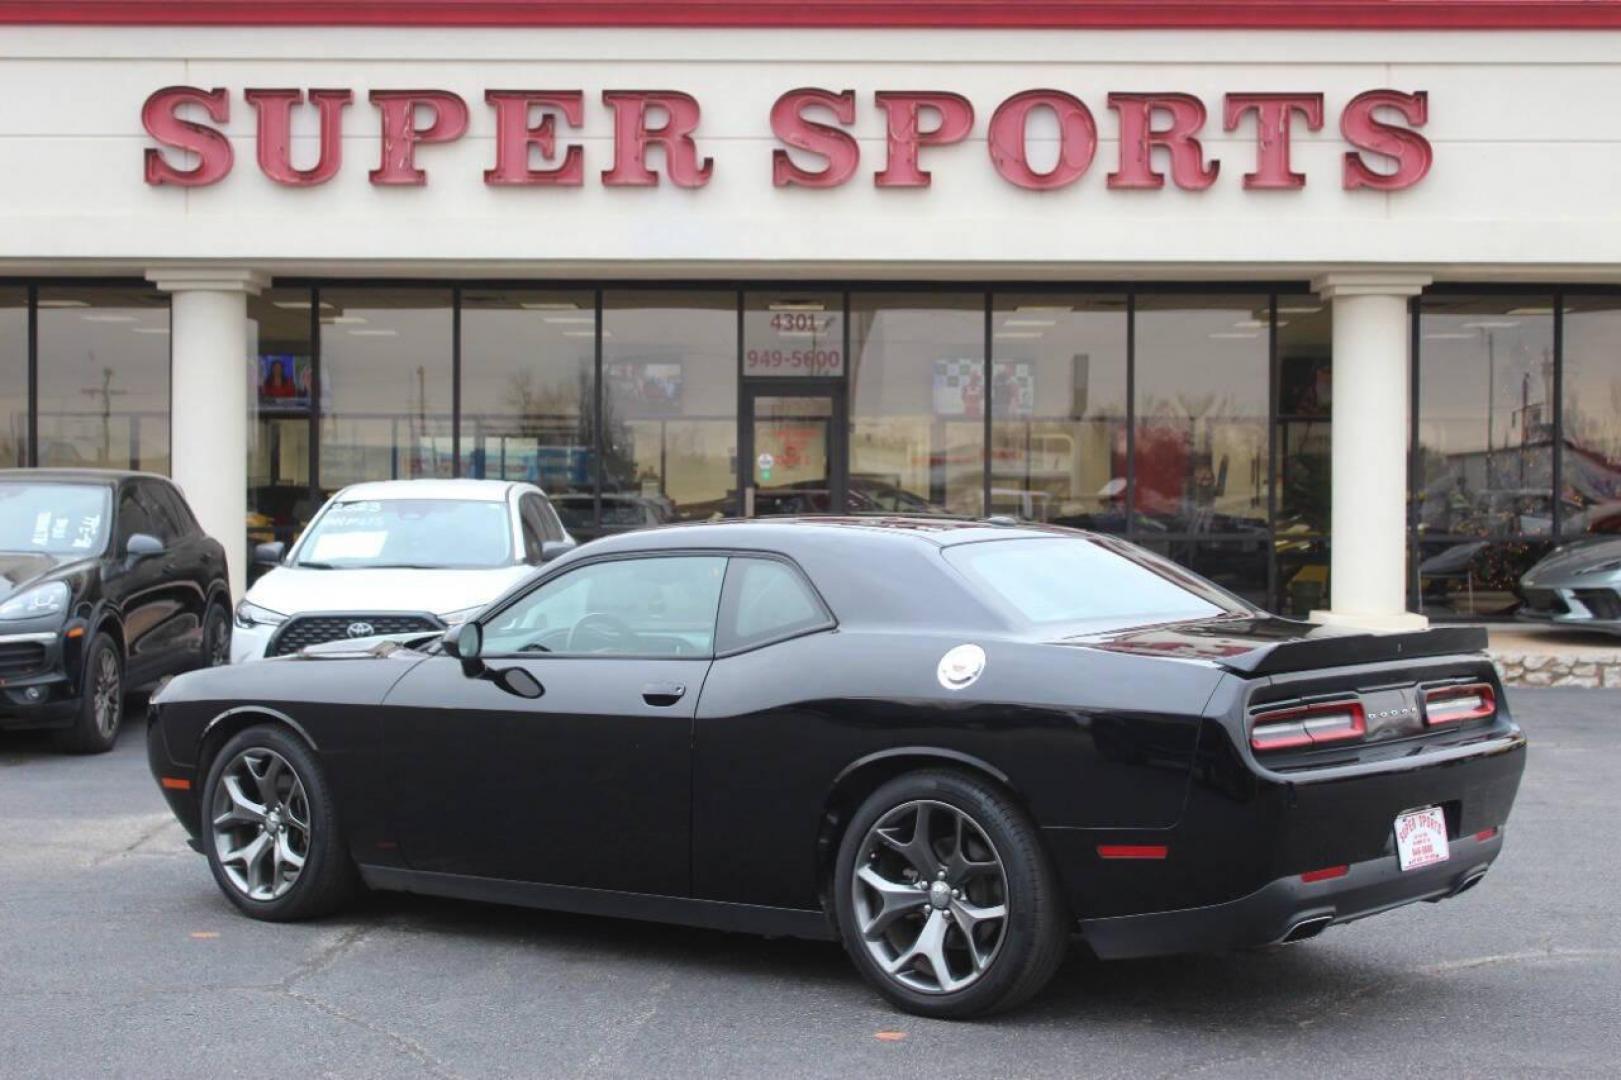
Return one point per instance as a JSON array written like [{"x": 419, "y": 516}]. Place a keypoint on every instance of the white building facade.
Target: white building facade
[{"x": 1331, "y": 315}]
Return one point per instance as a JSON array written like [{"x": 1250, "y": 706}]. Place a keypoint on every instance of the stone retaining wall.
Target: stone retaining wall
[{"x": 1591, "y": 670}]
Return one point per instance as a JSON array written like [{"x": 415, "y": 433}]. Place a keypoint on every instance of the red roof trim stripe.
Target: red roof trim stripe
[{"x": 945, "y": 14}]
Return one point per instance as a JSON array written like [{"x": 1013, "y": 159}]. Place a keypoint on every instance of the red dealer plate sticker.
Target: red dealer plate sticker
[{"x": 1421, "y": 838}]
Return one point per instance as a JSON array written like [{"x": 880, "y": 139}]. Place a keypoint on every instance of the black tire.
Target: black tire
[
  {"x": 1034, "y": 935},
  {"x": 216, "y": 637},
  {"x": 328, "y": 879},
  {"x": 101, "y": 692}
]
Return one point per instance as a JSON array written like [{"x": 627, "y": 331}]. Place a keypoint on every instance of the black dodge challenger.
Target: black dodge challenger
[{"x": 950, "y": 745}]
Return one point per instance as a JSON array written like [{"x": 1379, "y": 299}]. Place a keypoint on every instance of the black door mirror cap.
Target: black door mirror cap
[
  {"x": 142, "y": 545},
  {"x": 269, "y": 554}
]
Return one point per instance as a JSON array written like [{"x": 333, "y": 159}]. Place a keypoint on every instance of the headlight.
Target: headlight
[
  {"x": 49, "y": 599},
  {"x": 456, "y": 618},
  {"x": 251, "y": 615}
]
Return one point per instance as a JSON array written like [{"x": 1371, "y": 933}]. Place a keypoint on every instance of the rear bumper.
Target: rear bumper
[{"x": 1291, "y": 909}]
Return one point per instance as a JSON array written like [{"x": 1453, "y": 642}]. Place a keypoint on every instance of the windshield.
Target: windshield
[
  {"x": 54, "y": 519},
  {"x": 1087, "y": 580},
  {"x": 418, "y": 534}
]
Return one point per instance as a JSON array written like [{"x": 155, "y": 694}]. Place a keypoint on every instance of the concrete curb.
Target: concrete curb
[{"x": 1589, "y": 670}]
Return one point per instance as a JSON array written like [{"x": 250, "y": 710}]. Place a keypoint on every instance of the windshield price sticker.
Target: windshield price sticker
[
  {"x": 348, "y": 545},
  {"x": 89, "y": 529},
  {"x": 1421, "y": 838}
]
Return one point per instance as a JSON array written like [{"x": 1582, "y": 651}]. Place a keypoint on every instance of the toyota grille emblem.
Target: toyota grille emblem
[{"x": 360, "y": 629}]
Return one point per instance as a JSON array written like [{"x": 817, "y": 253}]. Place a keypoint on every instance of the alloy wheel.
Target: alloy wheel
[
  {"x": 261, "y": 823},
  {"x": 218, "y": 644},
  {"x": 108, "y": 693},
  {"x": 930, "y": 897}
]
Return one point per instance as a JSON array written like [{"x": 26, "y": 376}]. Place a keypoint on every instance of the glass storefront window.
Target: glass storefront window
[
  {"x": 280, "y": 500},
  {"x": 1237, "y": 564},
  {"x": 917, "y": 401},
  {"x": 13, "y": 377},
  {"x": 1303, "y": 579},
  {"x": 385, "y": 384},
  {"x": 1202, "y": 414},
  {"x": 1305, "y": 404},
  {"x": 528, "y": 391},
  {"x": 1485, "y": 416},
  {"x": 793, "y": 335},
  {"x": 669, "y": 405},
  {"x": 104, "y": 377},
  {"x": 1484, "y": 478},
  {"x": 1058, "y": 409},
  {"x": 1590, "y": 481}
]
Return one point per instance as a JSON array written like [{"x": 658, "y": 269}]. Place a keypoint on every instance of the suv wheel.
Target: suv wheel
[
  {"x": 216, "y": 637},
  {"x": 101, "y": 701}
]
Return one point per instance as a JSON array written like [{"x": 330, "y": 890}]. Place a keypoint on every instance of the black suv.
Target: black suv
[{"x": 106, "y": 583}]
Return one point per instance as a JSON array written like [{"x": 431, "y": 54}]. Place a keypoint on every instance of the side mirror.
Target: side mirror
[
  {"x": 551, "y": 549},
  {"x": 141, "y": 545},
  {"x": 269, "y": 554},
  {"x": 465, "y": 642}
]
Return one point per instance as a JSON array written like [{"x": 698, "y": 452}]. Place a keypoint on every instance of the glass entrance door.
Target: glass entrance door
[{"x": 793, "y": 453}]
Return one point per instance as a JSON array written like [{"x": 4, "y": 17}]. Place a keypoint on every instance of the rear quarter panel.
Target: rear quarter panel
[{"x": 1085, "y": 739}]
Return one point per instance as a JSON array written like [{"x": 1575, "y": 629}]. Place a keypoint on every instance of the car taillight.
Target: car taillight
[
  {"x": 1309, "y": 725},
  {"x": 1455, "y": 704}
]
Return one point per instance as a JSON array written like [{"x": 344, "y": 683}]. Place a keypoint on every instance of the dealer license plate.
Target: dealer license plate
[{"x": 1421, "y": 838}]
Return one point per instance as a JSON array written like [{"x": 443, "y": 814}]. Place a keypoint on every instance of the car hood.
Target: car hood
[
  {"x": 295, "y": 591},
  {"x": 21, "y": 569},
  {"x": 1265, "y": 645},
  {"x": 1572, "y": 561}
]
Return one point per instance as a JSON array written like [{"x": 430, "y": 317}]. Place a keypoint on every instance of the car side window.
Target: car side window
[
  {"x": 548, "y": 514},
  {"x": 657, "y": 606},
  {"x": 766, "y": 600},
  {"x": 534, "y": 531},
  {"x": 133, "y": 517},
  {"x": 160, "y": 514},
  {"x": 175, "y": 503}
]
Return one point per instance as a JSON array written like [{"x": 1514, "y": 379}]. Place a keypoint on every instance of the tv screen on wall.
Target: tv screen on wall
[{"x": 284, "y": 383}]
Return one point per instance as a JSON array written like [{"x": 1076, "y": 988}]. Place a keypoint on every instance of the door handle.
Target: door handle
[{"x": 663, "y": 693}]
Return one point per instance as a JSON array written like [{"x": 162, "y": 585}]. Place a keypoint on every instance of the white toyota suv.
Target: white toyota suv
[{"x": 396, "y": 557}]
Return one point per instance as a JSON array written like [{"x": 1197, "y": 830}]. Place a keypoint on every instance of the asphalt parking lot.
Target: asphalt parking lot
[{"x": 119, "y": 958}]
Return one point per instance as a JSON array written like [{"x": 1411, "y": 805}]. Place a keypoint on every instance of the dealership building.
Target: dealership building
[{"x": 1321, "y": 299}]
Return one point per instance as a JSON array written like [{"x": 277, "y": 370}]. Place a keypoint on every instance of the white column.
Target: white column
[
  {"x": 1372, "y": 389},
  {"x": 208, "y": 342}
]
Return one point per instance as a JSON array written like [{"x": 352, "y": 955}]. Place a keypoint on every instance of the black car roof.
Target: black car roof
[
  {"x": 789, "y": 533},
  {"x": 106, "y": 477},
  {"x": 868, "y": 569}
]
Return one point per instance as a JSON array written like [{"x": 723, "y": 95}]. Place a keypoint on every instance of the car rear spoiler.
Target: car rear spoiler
[
  {"x": 1344, "y": 650},
  {"x": 1266, "y": 645}
]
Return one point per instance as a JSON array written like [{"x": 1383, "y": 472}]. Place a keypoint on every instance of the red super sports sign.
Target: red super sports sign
[{"x": 1385, "y": 150}]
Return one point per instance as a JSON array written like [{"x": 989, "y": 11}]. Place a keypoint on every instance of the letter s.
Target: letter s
[
  {"x": 1363, "y": 130},
  {"x": 213, "y": 149}
]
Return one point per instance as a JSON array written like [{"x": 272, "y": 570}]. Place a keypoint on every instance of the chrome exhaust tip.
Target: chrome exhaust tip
[{"x": 1307, "y": 928}]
